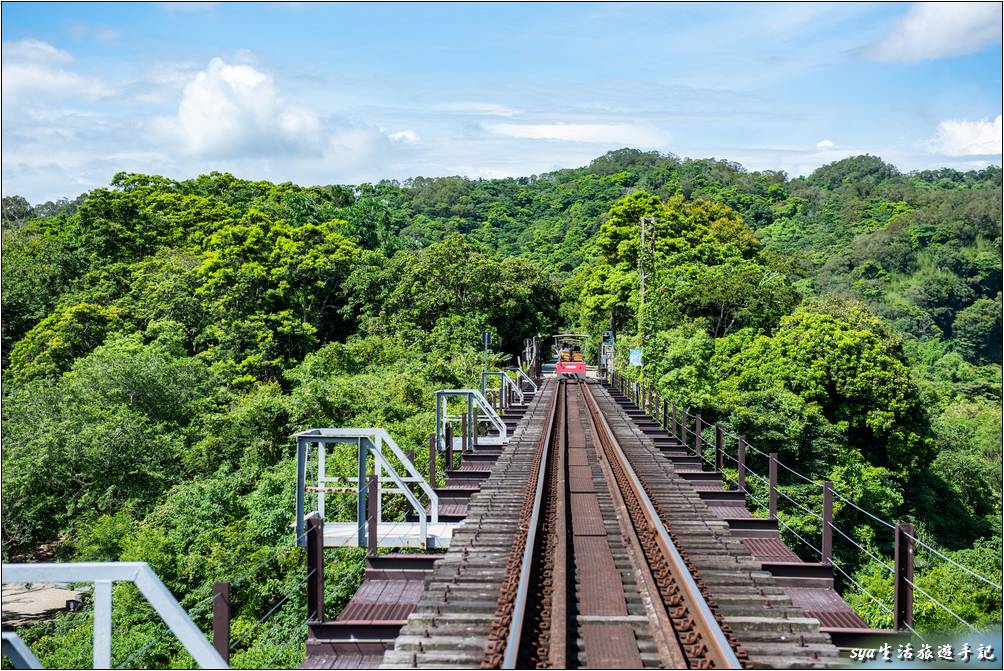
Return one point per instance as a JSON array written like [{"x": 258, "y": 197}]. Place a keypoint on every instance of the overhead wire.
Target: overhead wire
[{"x": 953, "y": 562}]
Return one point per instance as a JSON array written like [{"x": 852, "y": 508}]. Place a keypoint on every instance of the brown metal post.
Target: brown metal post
[
  {"x": 772, "y": 475},
  {"x": 698, "y": 440},
  {"x": 372, "y": 499},
  {"x": 719, "y": 443},
  {"x": 674, "y": 419},
  {"x": 432, "y": 460},
  {"x": 665, "y": 414},
  {"x": 463, "y": 432},
  {"x": 540, "y": 361},
  {"x": 449, "y": 447},
  {"x": 315, "y": 566},
  {"x": 742, "y": 464},
  {"x": 903, "y": 589},
  {"x": 827, "y": 541},
  {"x": 683, "y": 427},
  {"x": 221, "y": 619}
]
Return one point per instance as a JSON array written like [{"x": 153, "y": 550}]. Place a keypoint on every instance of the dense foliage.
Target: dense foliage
[{"x": 162, "y": 339}]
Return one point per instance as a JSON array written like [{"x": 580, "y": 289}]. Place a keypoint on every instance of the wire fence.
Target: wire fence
[
  {"x": 680, "y": 426},
  {"x": 296, "y": 635}
]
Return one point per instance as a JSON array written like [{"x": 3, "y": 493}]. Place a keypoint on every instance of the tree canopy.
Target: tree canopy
[{"x": 163, "y": 338}]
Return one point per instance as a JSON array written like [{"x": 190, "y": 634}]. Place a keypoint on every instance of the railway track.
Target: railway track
[{"x": 579, "y": 552}]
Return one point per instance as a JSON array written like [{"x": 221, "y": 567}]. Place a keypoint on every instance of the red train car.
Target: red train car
[{"x": 570, "y": 358}]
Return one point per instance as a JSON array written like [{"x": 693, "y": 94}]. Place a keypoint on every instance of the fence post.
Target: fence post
[
  {"x": 432, "y": 460},
  {"x": 827, "y": 549},
  {"x": 463, "y": 433},
  {"x": 698, "y": 440},
  {"x": 674, "y": 419},
  {"x": 449, "y": 447},
  {"x": 719, "y": 441},
  {"x": 903, "y": 590},
  {"x": 683, "y": 427},
  {"x": 221, "y": 619},
  {"x": 772, "y": 474},
  {"x": 665, "y": 415},
  {"x": 741, "y": 477},
  {"x": 315, "y": 567},
  {"x": 372, "y": 500}
]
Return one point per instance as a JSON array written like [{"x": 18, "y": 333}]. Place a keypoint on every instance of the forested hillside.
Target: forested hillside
[{"x": 162, "y": 339}]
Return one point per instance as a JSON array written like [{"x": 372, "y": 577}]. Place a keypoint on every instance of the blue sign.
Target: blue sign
[{"x": 636, "y": 357}]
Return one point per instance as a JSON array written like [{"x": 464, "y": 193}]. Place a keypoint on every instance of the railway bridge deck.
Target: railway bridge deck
[{"x": 592, "y": 539}]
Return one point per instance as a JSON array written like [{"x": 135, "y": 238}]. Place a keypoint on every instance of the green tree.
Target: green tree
[
  {"x": 57, "y": 341},
  {"x": 977, "y": 331}
]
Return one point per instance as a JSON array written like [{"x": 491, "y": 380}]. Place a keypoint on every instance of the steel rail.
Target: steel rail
[
  {"x": 718, "y": 645},
  {"x": 509, "y": 658},
  {"x": 670, "y": 648}
]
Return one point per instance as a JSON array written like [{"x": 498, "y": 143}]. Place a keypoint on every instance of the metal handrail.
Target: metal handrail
[
  {"x": 504, "y": 382},
  {"x": 18, "y": 652},
  {"x": 371, "y": 441},
  {"x": 103, "y": 575},
  {"x": 476, "y": 400},
  {"x": 523, "y": 377}
]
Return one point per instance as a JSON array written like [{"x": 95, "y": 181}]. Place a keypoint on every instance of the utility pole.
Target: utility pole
[{"x": 645, "y": 266}]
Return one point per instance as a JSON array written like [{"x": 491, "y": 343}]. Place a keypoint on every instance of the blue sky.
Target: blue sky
[{"x": 354, "y": 92}]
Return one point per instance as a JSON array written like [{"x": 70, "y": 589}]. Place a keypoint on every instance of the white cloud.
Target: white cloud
[
  {"x": 235, "y": 110},
  {"x": 35, "y": 51},
  {"x": 407, "y": 136},
  {"x": 98, "y": 32},
  {"x": 940, "y": 29},
  {"x": 825, "y": 144},
  {"x": 958, "y": 137},
  {"x": 476, "y": 108},
  {"x": 599, "y": 133},
  {"x": 34, "y": 69}
]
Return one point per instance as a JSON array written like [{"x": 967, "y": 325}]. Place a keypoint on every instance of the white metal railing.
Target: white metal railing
[
  {"x": 523, "y": 377},
  {"x": 505, "y": 382},
  {"x": 19, "y": 654},
  {"x": 478, "y": 410},
  {"x": 103, "y": 575},
  {"x": 369, "y": 441}
]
